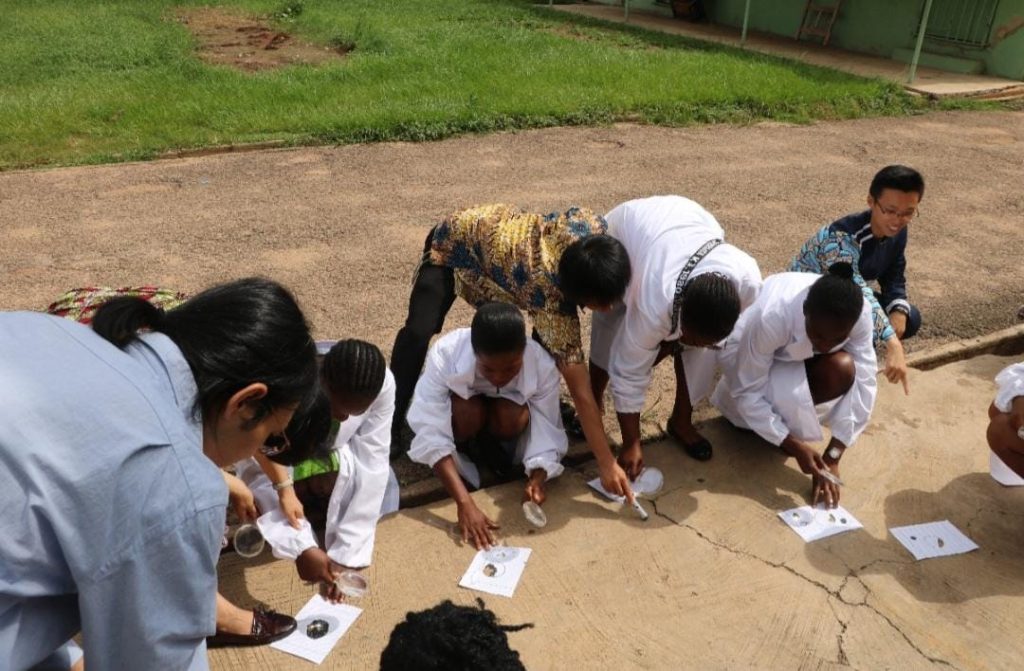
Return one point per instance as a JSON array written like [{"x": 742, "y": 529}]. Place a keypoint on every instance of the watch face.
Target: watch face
[{"x": 834, "y": 453}]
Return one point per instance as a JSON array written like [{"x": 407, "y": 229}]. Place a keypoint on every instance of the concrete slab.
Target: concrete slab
[
  {"x": 929, "y": 81},
  {"x": 715, "y": 580}
]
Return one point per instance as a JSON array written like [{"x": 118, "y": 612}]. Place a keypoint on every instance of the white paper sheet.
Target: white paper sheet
[
  {"x": 339, "y": 617},
  {"x": 496, "y": 571},
  {"x": 813, "y": 524},
  {"x": 934, "y": 539}
]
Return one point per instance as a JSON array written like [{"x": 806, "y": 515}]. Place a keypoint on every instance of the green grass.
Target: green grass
[{"x": 87, "y": 81}]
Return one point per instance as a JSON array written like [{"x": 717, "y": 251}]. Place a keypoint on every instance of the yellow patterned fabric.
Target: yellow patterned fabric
[{"x": 501, "y": 253}]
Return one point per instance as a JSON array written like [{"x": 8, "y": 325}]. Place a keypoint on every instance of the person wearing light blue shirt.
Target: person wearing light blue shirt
[{"x": 112, "y": 501}]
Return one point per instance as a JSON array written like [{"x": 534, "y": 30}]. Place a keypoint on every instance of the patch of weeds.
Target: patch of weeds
[
  {"x": 289, "y": 11},
  {"x": 341, "y": 44}
]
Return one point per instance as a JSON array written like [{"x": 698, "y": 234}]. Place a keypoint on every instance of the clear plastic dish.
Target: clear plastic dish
[
  {"x": 353, "y": 584},
  {"x": 534, "y": 514},
  {"x": 249, "y": 541}
]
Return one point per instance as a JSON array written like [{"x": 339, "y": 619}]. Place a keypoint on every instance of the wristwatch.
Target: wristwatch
[{"x": 834, "y": 452}]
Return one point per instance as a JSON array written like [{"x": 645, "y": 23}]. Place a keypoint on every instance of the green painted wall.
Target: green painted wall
[{"x": 876, "y": 27}]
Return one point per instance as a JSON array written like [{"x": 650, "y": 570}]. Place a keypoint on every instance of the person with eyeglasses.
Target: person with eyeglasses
[
  {"x": 874, "y": 242},
  {"x": 687, "y": 289},
  {"x": 111, "y": 444}
]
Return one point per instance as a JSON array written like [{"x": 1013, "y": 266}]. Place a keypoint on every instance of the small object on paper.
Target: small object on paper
[
  {"x": 308, "y": 641},
  {"x": 496, "y": 571},
  {"x": 813, "y": 524},
  {"x": 648, "y": 483},
  {"x": 317, "y": 629},
  {"x": 934, "y": 539}
]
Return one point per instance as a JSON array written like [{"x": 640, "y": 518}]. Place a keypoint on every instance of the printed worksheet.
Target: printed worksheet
[
  {"x": 321, "y": 625},
  {"x": 813, "y": 524},
  {"x": 934, "y": 539},
  {"x": 496, "y": 571}
]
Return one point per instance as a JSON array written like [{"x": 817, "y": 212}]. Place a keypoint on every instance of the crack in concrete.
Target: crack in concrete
[{"x": 833, "y": 593}]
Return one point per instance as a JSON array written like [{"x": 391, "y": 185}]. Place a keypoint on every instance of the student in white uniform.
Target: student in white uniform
[
  {"x": 341, "y": 495},
  {"x": 687, "y": 289},
  {"x": 801, "y": 351},
  {"x": 490, "y": 383},
  {"x": 1006, "y": 418}
]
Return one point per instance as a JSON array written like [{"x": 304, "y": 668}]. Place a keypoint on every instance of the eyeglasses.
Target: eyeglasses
[
  {"x": 275, "y": 444},
  {"x": 892, "y": 212}
]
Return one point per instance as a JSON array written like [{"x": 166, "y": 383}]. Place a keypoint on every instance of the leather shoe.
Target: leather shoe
[{"x": 267, "y": 626}]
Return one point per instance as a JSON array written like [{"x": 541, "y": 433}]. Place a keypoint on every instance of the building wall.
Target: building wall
[{"x": 877, "y": 27}]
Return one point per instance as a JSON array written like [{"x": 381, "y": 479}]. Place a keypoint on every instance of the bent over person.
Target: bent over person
[
  {"x": 874, "y": 243},
  {"x": 548, "y": 266},
  {"x": 687, "y": 290}
]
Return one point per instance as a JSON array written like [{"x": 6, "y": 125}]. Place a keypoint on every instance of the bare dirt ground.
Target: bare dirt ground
[
  {"x": 249, "y": 43},
  {"x": 343, "y": 226}
]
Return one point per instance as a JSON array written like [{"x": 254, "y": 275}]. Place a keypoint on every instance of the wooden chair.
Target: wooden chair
[{"x": 818, "y": 20}]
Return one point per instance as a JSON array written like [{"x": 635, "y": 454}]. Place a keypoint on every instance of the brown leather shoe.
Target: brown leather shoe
[{"x": 267, "y": 626}]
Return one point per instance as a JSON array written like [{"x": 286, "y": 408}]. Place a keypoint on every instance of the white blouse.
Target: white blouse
[
  {"x": 660, "y": 235},
  {"x": 451, "y": 368},
  {"x": 1010, "y": 383},
  {"x": 773, "y": 329}
]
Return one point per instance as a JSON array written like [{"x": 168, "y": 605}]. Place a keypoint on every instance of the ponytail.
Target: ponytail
[{"x": 120, "y": 319}]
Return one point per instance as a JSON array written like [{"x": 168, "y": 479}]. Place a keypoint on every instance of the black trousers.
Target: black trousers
[{"x": 433, "y": 293}]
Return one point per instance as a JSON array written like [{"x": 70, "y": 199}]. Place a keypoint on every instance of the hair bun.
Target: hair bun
[{"x": 841, "y": 269}]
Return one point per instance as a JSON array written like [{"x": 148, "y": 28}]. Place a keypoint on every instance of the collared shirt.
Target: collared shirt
[
  {"x": 363, "y": 446},
  {"x": 1010, "y": 385},
  {"x": 883, "y": 259},
  {"x": 451, "y": 368},
  {"x": 501, "y": 253},
  {"x": 113, "y": 516},
  {"x": 774, "y": 329},
  {"x": 660, "y": 235}
]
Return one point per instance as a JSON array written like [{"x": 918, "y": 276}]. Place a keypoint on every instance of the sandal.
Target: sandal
[{"x": 700, "y": 450}]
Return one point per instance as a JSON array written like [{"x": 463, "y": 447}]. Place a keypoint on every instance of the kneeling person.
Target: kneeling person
[
  {"x": 1006, "y": 418},
  {"x": 490, "y": 383},
  {"x": 803, "y": 351}
]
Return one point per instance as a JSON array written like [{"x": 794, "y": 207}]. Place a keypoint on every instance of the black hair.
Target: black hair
[
  {"x": 449, "y": 637},
  {"x": 835, "y": 296},
  {"x": 231, "y": 335},
  {"x": 898, "y": 177},
  {"x": 307, "y": 432},
  {"x": 594, "y": 270},
  {"x": 355, "y": 369},
  {"x": 711, "y": 306},
  {"x": 498, "y": 328}
]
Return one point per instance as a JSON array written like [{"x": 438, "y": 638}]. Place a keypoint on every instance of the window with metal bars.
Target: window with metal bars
[{"x": 965, "y": 22}]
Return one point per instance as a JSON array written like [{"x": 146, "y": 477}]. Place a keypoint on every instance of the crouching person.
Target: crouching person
[
  {"x": 1006, "y": 423},
  {"x": 487, "y": 387}
]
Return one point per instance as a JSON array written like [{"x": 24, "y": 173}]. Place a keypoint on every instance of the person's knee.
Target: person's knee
[
  {"x": 1001, "y": 435},
  {"x": 831, "y": 376},
  {"x": 507, "y": 419},
  {"x": 468, "y": 416}
]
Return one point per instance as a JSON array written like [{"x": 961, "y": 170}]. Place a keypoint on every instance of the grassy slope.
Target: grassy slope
[{"x": 96, "y": 80}]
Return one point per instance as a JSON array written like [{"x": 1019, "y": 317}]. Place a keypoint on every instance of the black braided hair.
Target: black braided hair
[
  {"x": 451, "y": 638},
  {"x": 711, "y": 306},
  {"x": 835, "y": 296},
  {"x": 307, "y": 432},
  {"x": 354, "y": 368}
]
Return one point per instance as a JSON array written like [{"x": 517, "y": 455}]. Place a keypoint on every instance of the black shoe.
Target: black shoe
[{"x": 267, "y": 626}]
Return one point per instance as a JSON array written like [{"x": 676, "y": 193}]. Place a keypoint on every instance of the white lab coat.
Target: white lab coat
[
  {"x": 1010, "y": 385},
  {"x": 660, "y": 235},
  {"x": 764, "y": 384},
  {"x": 363, "y": 446},
  {"x": 451, "y": 368}
]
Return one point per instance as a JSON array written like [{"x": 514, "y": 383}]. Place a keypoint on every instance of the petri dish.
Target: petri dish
[
  {"x": 353, "y": 584},
  {"x": 801, "y": 517},
  {"x": 649, "y": 482},
  {"x": 534, "y": 514},
  {"x": 248, "y": 541},
  {"x": 500, "y": 554}
]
